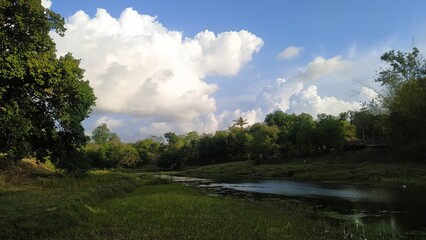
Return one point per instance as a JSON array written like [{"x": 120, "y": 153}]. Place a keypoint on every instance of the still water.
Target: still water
[{"x": 400, "y": 207}]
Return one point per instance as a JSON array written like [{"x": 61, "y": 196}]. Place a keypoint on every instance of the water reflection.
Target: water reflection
[
  {"x": 293, "y": 188},
  {"x": 395, "y": 207}
]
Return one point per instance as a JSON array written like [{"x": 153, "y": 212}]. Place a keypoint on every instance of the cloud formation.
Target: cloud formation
[
  {"x": 140, "y": 68},
  {"x": 308, "y": 101},
  {"x": 46, "y": 3},
  {"x": 321, "y": 67},
  {"x": 290, "y": 52},
  {"x": 292, "y": 96},
  {"x": 150, "y": 80}
]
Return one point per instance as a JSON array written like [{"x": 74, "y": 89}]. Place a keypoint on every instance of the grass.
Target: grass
[
  {"x": 177, "y": 212},
  {"x": 365, "y": 166},
  {"x": 131, "y": 205},
  {"x": 33, "y": 205}
]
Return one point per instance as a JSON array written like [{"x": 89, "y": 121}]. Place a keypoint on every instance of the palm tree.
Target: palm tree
[{"x": 240, "y": 122}]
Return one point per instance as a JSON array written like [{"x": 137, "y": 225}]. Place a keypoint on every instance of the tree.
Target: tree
[
  {"x": 43, "y": 99},
  {"x": 265, "y": 147},
  {"x": 240, "y": 122},
  {"x": 240, "y": 142},
  {"x": 301, "y": 135},
  {"x": 405, "y": 99},
  {"x": 279, "y": 119},
  {"x": 148, "y": 150},
  {"x": 370, "y": 126},
  {"x": 102, "y": 134},
  {"x": 330, "y": 133}
]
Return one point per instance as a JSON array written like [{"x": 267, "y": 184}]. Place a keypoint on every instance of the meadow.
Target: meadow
[{"x": 120, "y": 204}]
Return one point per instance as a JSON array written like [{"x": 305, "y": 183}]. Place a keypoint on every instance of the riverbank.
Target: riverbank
[
  {"x": 373, "y": 167},
  {"x": 120, "y": 205}
]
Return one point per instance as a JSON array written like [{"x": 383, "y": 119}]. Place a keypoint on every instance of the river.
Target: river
[{"x": 402, "y": 208}]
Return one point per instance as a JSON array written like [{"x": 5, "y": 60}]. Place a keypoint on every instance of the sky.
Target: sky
[{"x": 160, "y": 66}]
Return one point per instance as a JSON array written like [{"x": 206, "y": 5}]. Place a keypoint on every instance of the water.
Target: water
[{"x": 399, "y": 207}]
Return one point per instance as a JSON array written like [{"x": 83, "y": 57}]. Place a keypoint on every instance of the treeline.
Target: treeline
[{"x": 279, "y": 138}]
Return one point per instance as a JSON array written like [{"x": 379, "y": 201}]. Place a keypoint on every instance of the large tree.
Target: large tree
[
  {"x": 405, "y": 100},
  {"x": 43, "y": 98}
]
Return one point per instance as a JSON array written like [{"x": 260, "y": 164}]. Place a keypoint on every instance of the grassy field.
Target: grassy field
[
  {"x": 120, "y": 205},
  {"x": 367, "y": 166}
]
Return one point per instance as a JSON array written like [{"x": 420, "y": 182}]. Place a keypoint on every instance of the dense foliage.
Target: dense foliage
[
  {"x": 43, "y": 98},
  {"x": 405, "y": 101},
  {"x": 281, "y": 137}
]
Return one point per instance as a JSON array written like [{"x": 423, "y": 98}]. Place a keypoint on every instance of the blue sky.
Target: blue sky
[{"x": 200, "y": 64}]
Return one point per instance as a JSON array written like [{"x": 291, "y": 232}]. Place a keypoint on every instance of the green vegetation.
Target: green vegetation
[
  {"x": 375, "y": 167},
  {"x": 43, "y": 98},
  {"x": 123, "y": 205}
]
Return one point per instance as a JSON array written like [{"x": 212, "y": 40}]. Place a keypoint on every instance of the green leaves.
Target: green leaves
[{"x": 43, "y": 99}]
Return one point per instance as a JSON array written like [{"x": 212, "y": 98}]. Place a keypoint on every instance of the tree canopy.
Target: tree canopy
[
  {"x": 43, "y": 98},
  {"x": 405, "y": 100}
]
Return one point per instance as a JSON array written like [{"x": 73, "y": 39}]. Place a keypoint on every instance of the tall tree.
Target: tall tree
[
  {"x": 240, "y": 122},
  {"x": 405, "y": 82},
  {"x": 43, "y": 98}
]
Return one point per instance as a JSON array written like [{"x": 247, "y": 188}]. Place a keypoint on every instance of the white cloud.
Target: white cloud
[
  {"x": 46, "y": 3},
  {"x": 321, "y": 67},
  {"x": 369, "y": 93},
  {"x": 308, "y": 101},
  {"x": 291, "y": 95},
  {"x": 276, "y": 95},
  {"x": 290, "y": 52},
  {"x": 110, "y": 122},
  {"x": 139, "y": 67}
]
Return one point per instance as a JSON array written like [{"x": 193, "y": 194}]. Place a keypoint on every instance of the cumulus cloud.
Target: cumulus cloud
[
  {"x": 291, "y": 95},
  {"x": 290, "y": 52},
  {"x": 46, "y": 3},
  {"x": 140, "y": 68},
  {"x": 276, "y": 95},
  {"x": 321, "y": 67},
  {"x": 308, "y": 101}
]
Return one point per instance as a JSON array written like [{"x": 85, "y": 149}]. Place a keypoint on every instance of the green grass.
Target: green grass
[
  {"x": 133, "y": 205},
  {"x": 34, "y": 206},
  {"x": 116, "y": 205},
  {"x": 176, "y": 212},
  {"x": 358, "y": 166}
]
